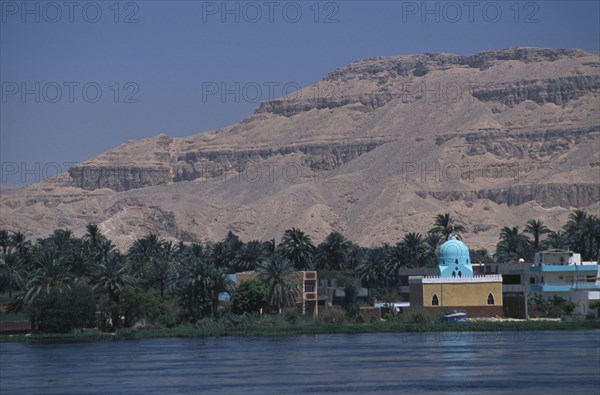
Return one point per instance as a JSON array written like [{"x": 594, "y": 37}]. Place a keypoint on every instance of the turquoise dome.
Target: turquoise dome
[{"x": 454, "y": 259}]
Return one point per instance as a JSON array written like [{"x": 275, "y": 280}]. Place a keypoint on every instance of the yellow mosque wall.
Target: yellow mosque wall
[{"x": 459, "y": 294}]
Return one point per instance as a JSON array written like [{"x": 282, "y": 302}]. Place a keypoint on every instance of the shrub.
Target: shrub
[
  {"x": 61, "y": 311},
  {"x": 249, "y": 297},
  {"x": 334, "y": 315},
  {"x": 291, "y": 315},
  {"x": 417, "y": 316}
]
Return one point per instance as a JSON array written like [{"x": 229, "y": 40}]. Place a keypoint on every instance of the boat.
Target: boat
[{"x": 454, "y": 316}]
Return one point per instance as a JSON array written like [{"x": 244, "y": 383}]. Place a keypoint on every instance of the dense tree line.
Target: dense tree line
[{"x": 63, "y": 281}]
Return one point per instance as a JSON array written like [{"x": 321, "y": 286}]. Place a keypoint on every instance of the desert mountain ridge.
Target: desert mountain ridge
[{"x": 374, "y": 150}]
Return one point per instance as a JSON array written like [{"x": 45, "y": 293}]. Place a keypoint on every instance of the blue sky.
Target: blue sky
[{"x": 79, "y": 78}]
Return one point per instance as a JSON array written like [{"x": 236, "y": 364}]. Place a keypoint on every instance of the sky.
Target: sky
[{"x": 81, "y": 77}]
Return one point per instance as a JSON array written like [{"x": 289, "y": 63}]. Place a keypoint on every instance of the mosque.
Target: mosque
[{"x": 455, "y": 287}]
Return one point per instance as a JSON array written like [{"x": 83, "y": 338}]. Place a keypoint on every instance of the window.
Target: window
[
  {"x": 434, "y": 300},
  {"x": 459, "y": 273},
  {"x": 309, "y": 288},
  {"x": 490, "y": 298},
  {"x": 531, "y": 280},
  {"x": 453, "y": 274}
]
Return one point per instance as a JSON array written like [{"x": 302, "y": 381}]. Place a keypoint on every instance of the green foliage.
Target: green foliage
[
  {"x": 554, "y": 307},
  {"x": 170, "y": 314},
  {"x": 279, "y": 278},
  {"x": 334, "y": 315},
  {"x": 350, "y": 303},
  {"x": 249, "y": 297},
  {"x": 137, "y": 305},
  {"x": 167, "y": 283},
  {"x": 417, "y": 316},
  {"x": 298, "y": 248},
  {"x": 291, "y": 315},
  {"x": 595, "y": 308},
  {"x": 61, "y": 311}
]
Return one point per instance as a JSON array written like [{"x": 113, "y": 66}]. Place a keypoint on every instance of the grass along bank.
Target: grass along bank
[{"x": 278, "y": 327}]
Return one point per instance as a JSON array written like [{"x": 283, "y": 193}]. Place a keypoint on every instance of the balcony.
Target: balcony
[
  {"x": 310, "y": 296},
  {"x": 562, "y": 287},
  {"x": 593, "y": 269}
]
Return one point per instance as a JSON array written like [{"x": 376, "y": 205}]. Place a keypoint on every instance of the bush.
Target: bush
[
  {"x": 417, "y": 316},
  {"x": 61, "y": 311},
  {"x": 249, "y": 297},
  {"x": 334, "y": 315},
  {"x": 137, "y": 305},
  {"x": 170, "y": 313},
  {"x": 291, "y": 315}
]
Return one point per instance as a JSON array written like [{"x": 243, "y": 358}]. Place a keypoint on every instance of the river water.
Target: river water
[{"x": 551, "y": 362}]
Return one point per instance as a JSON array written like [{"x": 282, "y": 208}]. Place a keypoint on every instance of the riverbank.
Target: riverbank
[{"x": 269, "y": 328}]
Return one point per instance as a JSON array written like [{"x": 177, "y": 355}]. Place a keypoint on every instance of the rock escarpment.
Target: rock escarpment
[{"x": 495, "y": 138}]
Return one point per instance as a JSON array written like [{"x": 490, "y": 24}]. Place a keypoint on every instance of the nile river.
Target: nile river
[{"x": 561, "y": 362}]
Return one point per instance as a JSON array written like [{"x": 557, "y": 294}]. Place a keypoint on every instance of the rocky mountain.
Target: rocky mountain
[{"x": 373, "y": 150}]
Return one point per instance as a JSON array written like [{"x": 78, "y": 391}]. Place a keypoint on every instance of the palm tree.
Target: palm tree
[
  {"x": 50, "y": 274},
  {"x": 112, "y": 276},
  {"x": 231, "y": 245},
  {"x": 279, "y": 278},
  {"x": 575, "y": 230},
  {"x": 591, "y": 229},
  {"x": 444, "y": 225},
  {"x": 220, "y": 255},
  {"x": 557, "y": 240},
  {"x": 93, "y": 242},
  {"x": 536, "y": 228},
  {"x": 432, "y": 242},
  {"x": 355, "y": 256},
  {"x": 161, "y": 269},
  {"x": 414, "y": 248},
  {"x": 194, "y": 284},
  {"x": 218, "y": 282},
  {"x": 374, "y": 271},
  {"x": 4, "y": 240},
  {"x": 513, "y": 245},
  {"x": 331, "y": 253},
  {"x": 298, "y": 248},
  {"x": 251, "y": 255},
  {"x": 11, "y": 272},
  {"x": 395, "y": 259},
  {"x": 143, "y": 252},
  {"x": 21, "y": 244}
]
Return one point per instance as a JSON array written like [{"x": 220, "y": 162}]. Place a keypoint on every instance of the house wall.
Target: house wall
[
  {"x": 416, "y": 294},
  {"x": 462, "y": 294}
]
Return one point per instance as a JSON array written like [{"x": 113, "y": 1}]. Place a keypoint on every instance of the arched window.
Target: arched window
[
  {"x": 459, "y": 273},
  {"x": 453, "y": 274},
  {"x": 434, "y": 300},
  {"x": 490, "y": 298},
  {"x": 456, "y": 261}
]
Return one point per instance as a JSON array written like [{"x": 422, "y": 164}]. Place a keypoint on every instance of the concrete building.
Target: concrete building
[
  {"x": 455, "y": 287},
  {"x": 563, "y": 273}
]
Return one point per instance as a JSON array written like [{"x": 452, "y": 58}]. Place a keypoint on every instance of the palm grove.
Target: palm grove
[{"x": 63, "y": 282}]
